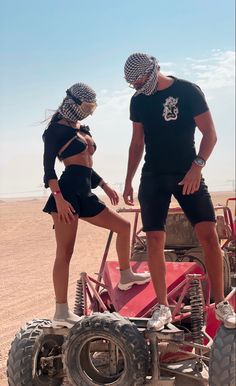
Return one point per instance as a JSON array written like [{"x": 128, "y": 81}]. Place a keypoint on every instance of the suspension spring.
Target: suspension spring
[
  {"x": 79, "y": 298},
  {"x": 197, "y": 318}
]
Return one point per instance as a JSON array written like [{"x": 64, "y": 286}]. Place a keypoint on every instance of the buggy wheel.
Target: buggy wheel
[
  {"x": 139, "y": 250},
  {"x": 222, "y": 367},
  {"x": 196, "y": 255},
  {"x": 30, "y": 353},
  {"x": 194, "y": 259},
  {"x": 139, "y": 255},
  {"x": 227, "y": 274},
  {"x": 105, "y": 349}
]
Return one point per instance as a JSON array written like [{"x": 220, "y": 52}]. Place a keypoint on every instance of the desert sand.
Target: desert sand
[{"x": 27, "y": 253}]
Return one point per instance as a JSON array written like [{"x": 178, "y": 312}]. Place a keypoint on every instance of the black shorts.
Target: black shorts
[
  {"x": 75, "y": 185},
  {"x": 155, "y": 195}
]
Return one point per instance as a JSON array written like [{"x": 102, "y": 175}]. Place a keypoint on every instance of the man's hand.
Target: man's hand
[
  {"x": 111, "y": 193},
  {"x": 191, "y": 180},
  {"x": 128, "y": 194},
  {"x": 135, "y": 154}
]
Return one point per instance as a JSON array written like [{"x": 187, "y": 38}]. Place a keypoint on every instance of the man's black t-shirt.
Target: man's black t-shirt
[{"x": 168, "y": 120}]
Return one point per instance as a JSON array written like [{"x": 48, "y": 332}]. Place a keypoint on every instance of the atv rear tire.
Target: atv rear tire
[
  {"x": 196, "y": 255},
  {"x": 29, "y": 345},
  {"x": 105, "y": 349},
  {"x": 222, "y": 367}
]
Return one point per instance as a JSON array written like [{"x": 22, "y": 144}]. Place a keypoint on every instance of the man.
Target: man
[{"x": 165, "y": 112}]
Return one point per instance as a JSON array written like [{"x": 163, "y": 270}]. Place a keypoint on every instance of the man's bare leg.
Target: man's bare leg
[
  {"x": 207, "y": 236},
  {"x": 157, "y": 267},
  {"x": 206, "y": 233}
]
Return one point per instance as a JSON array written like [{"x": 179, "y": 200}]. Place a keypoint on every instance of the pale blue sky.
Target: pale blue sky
[{"x": 47, "y": 46}]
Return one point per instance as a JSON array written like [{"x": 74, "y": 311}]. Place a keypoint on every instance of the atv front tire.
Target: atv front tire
[
  {"x": 26, "y": 355},
  {"x": 105, "y": 349}
]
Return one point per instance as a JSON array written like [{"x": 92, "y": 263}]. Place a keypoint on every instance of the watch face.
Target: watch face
[{"x": 199, "y": 161}]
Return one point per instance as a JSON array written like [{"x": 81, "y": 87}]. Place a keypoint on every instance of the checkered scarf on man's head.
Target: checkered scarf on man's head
[
  {"x": 69, "y": 109},
  {"x": 139, "y": 64}
]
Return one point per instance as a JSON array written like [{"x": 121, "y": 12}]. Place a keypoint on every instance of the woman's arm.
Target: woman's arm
[
  {"x": 49, "y": 157},
  {"x": 64, "y": 209},
  {"x": 96, "y": 180}
]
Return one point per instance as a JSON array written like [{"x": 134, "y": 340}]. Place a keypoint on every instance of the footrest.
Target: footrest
[
  {"x": 188, "y": 369},
  {"x": 166, "y": 335}
]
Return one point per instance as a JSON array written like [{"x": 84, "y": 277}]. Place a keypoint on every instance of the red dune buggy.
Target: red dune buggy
[{"x": 111, "y": 345}]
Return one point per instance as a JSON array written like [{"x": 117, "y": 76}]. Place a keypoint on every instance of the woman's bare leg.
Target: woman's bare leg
[
  {"x": 111, "y": 220},
  {"x": 116, "y": 223},
  {"x": 65, "y": 238}
]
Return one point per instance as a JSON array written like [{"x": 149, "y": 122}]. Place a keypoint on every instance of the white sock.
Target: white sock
[{"x": 62, "y": 311}]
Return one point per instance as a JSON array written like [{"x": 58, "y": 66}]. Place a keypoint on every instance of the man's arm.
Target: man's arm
[
  {"x": 206, "y": 125},
  {"x": 135, "y": 155},
  {"x": 204, "y": 122}
]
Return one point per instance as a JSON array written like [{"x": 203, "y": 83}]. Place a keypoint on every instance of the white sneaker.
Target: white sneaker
[
  {"x": 136, "y": 278},
  {"x": 68, "y": 322},
  {"x": 160, "y": 317},
  {"x": 226, "y": 314}
]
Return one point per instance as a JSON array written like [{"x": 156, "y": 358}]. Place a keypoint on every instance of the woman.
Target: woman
[{"x": 71, "y": 198}]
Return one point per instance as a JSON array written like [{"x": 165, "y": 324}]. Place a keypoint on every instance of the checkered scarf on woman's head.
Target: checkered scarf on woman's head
[
  {"x": 139, "y": 64},
  {"x": 69, "y": 109}
]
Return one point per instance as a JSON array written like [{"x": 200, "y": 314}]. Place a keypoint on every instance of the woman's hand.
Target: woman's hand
[
  {"x": 191, "y": 180},
  {"x": 65, "y": 210},
  {"x": 111, "y": 193}
]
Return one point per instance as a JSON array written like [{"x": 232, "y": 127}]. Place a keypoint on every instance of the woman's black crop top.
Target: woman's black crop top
[
  {"x": 55, "y": 137},
  {"x": 76, "y": 146}
]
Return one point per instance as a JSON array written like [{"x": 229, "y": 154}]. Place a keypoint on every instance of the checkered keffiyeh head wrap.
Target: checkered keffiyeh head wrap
[
  {"x": 139, "y": 64},
  {"x": 72, "y": 111}
]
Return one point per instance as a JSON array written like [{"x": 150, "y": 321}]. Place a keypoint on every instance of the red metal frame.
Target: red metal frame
[
  {"x": 95, "y": 299},
  {"x": 232, "y": 221}
]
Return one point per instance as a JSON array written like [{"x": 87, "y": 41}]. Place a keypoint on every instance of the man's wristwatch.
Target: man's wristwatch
[{"x": 199, "y": 161}]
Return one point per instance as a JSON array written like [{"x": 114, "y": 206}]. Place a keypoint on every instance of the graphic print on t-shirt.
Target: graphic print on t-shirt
[{"x": 170, "y": 112}]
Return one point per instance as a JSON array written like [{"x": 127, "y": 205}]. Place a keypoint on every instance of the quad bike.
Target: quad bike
[
  {"x": 111, "y": 344},
  {"x": 182, "y": 244}
]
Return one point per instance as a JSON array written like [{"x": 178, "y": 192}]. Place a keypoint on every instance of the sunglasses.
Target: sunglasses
[{"x": 86, "y": 107}]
